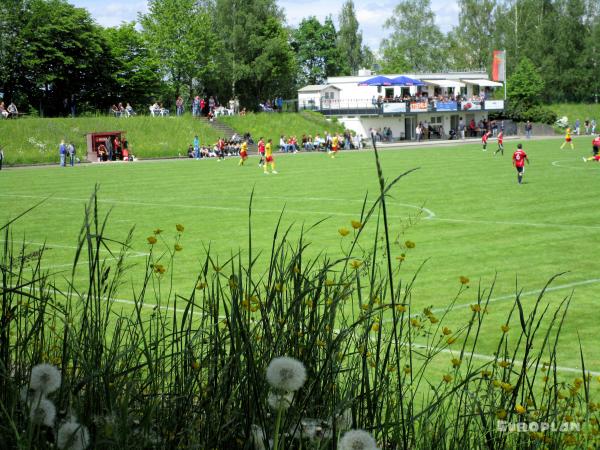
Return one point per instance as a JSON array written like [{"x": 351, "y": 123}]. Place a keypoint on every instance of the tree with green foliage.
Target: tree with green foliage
[
  {"x": 475, "y": 34},
  {"x": 181, "y": 33},
  {"x": 13, "y": 15},
  {"x": 416, "y": 43},
  {"x": 135, "y": 70},
  {"x": 349, "y": 39},
  {"x": 64, "y": 56},
  {"x": 525, "y": 85},
  {"x": 257, "y": 62},
  {"x": 316, "y": 52}
]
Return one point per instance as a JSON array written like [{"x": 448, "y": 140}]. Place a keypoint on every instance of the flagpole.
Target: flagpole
[{"x": 505, "y": 75}]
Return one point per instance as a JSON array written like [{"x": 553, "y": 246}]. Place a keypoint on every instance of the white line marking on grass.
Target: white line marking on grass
[
  {"x": 493, "y": 358},
  {"x": 526, "y": 224},
  {"x": 557, "y": 164},
  {"x": 511, "y": 296},
  {"x": 110, "y": 258},
  {"x": 50, "y": 246}
]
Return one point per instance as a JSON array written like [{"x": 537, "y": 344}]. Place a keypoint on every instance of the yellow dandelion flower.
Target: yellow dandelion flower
[
  {"x": 456, "y": 362},
  {"x": 159, "y": 268},
  {"x": 321, "y": 343},
  {"x": 505, "y": 328},
  {"x": 329, "y": 301},
  {"x": 507, "y": 387},
  {"x": 476, "y": 308},
  {"x": 446, "y": 331},
  {"x": 504, "y": 364},
  {"x": 151, "y": 240},
  {"x": 201, "y": 285},
  {"x": 329, "y": 282},
  {"x": 578, "y": 381},
  {"x": 356, "y": 224},
  {"x": 447, "y": 378},
  {"x": 463, "y": 280},
  {"x": 410, "y": 244},
  {"x": 278, "y": 287},
  {"x": 195, "y": 365},
  {"x": 433, "y": 319},
  {"x": 401, "y": 258},
  {"x": 344, "y": 231},
  {"x": 296, "y": 269},
  {"x": 568, "y": 418},
  {"x": 545, "y": 378},
  {"x": 486, "y": 373},
  {"x": 400, "y": 308},
  {"x": 375, "y": 327},
  {"x": 309, "y": 303},
  {"x": 158, "y": 231},
  {"x": 520, "y": 409},
  {"x": 180, "y": 227},
  {"x": 407, "y": 370},
  {"x": 501, "y": 414},
  {"x": 497, "y": 383},
  {"x": 365, "y": 306},
  {"x": 356, "y": 264},
  {"x": 415, "y": 323},
  {"x": 178, "y": 248},
  {"x": 391, "y": 369},
  {"x": 451, "y": 340}
]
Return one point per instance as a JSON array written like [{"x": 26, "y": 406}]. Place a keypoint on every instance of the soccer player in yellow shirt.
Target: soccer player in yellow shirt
[
  {"x": 568, "y": 139},
  {"x": 269, "y": 157},
  {"x": 243, "y": 153},
  {"x": 335, "y": 142}
]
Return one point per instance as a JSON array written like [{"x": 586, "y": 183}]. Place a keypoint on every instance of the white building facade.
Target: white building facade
[{"x": 438, "y": 105}]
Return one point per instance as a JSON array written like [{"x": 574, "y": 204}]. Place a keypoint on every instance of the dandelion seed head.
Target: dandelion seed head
[
  {"x": 357, "y": 440},
  {"x": 43, "y": 412},
  {"x": 280, "y": 401},
  {"x": 286, "y": 374},
  {"x": 72, "y": 436},
  {"x": 45, "y": 378}
]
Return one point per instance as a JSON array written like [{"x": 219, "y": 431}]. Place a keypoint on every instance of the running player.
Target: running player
[
  {"x": 484, "y": 139},
  {"x": 500, "y": 143},
  {"x": 335, "y": 142},
  {"x": 269, "y": 158},
  {"x": 243, "y": 153},
  {"x": 596, "y": 145},
  {"x": 518, "y": 159},
  {"x": 261, "y": 151},
  {"x": 568, "y": 140}
]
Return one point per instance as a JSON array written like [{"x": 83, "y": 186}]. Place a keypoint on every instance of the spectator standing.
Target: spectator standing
[
  {"x": 211, "y": 104},
  {"x": 577, "y": 125},
  {"x": 71, "y": 152},
  {"x": 196, "y": 147},
  {"x": 179, "y": 105},
  {"x": 461, "y": 128},
  {"x": 62, "y": 149},
  {"x": 593, "y": 125},
  {"x": 1, "y": 157},
  {"x": 109, "y": 149},
  {"x": 236, "y": 105},
  {"x": 196, "y": 106},
  {"x": 279, "y": 104},
  {"x": 528, "y": 128},
  {"x": 418, "y": 132}
]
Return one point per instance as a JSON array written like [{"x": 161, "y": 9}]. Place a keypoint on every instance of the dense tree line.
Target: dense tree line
[{"x": 55, "y": 57}]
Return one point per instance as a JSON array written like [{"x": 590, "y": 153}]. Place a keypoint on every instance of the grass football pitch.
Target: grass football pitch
[{"x": 462, "y": 208}]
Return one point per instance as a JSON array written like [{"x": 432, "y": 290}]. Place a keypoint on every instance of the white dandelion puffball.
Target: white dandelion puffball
[
  {"x": 258, "y": 437},
  {"x": 72, "y": 436},
  {"x": 45, "y": 378},
  {"x": 43, "y": 412},
  {"x": 280, "y": 401},
  {"x": 286, "y": 374},
  {"x": 357, "y": 440}
]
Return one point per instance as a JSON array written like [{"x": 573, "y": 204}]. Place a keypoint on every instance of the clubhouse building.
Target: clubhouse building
[{"x": 400, "y": 102}]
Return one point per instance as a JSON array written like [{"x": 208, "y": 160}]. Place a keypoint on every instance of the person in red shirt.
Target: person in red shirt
[
  {"x": 261, "y": 151},
  {"x": 596, "y": 145},
  {"x": 500, "y": 143},
  {"x": 518, "y": 159},
  {"x": 484, "y": 139}
]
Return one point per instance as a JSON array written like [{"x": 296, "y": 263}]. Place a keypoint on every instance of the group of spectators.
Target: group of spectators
[
  {"x": 346, "y": 141},
  {"x": 275, "y": 105},
  {"x": 10, "y": 112},
  {"x": 118, "y": 110},
  {"x": 424, "y": 97},
  {"x": 223, "y": 147},
  {"x": 589, "y": 126}
]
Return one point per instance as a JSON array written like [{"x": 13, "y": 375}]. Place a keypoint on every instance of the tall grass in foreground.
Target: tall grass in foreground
[{"x": 190, "y": 371}]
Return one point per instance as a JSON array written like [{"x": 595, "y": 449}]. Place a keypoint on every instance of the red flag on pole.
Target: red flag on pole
[{"x": 499, "y": 65}]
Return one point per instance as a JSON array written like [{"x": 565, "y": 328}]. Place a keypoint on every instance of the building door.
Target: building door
[
  {"x": 410, "y": 123},
  {"x": 454, "y": 122}
]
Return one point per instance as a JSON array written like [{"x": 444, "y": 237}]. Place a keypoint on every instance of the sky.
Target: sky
[{"x": 370, "y": 13}]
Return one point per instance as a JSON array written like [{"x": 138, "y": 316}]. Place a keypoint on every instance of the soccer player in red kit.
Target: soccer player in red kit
[
  {"x": 596, "y": 145},
  {"x": 484, "y": 139},
  {"x": 519, "y": 158},
  {"x": 500, "y": 143},
  {"x": 261, "y": 151}
]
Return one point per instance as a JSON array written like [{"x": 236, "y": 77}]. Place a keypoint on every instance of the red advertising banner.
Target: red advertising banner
[
  {"x": 499, "y": 65},
  {"x": 418, "y": 106}
]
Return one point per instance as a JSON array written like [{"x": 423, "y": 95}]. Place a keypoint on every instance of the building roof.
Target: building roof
[
  {"x": 446, "y": 83},
  {"x": 484, "y": 83},
  {"x": 317, "y": 87}
]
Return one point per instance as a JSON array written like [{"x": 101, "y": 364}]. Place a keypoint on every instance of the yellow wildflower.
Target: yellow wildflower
[
  {"x": 545, "y": 379},
  {"x": 463, "y": 280},
  {"x": 501, "y": 414},
  {"x": 195, "y": 365},
  {"x": 505, "y": 328},
  {"x": 356, "y": 224},
  {"x": 520, "y": 409},
  {"x": 151, "y": 240},
  {"x": 451, "y": 340},
  {"x": 309, "y": 303},
  {"x": 447, "y": 378},
  {"x": 407, "y": 370},
  {"x": 321, "y": 343},
  {"x": 344, "y": 231},
  {"x": 433, "y": 319},
  {"x": 446, "y": 331},
  {"x": 158, "y": 231},
  {"x": 507, "y": 387},
  {"x": 375, "y": 327},
  {"x": 486, "y": 373},
  {"x": 400, "y": 308},
  {"x": 329, "y": 282},
  {"x": 415, "y": 323},
  {"x": 296, "y": 269},
  {"x": 278, "y": 287},
  {"x": 180, "y": 227},
  {"x": 401, "y": 258},
  {"x": 475, "y": 308},
  {"x": 356, "y": 264},
  {"x": 497, "y": 383},
  {"x": 201, "y": 285},
  {"x": 456, "y": 362},
  {"x": 178, "y": 248},
  {"x": 504, "y": 364},
  {"x": 410, "y": 244},
  {"x": 159, "y": 268}
]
